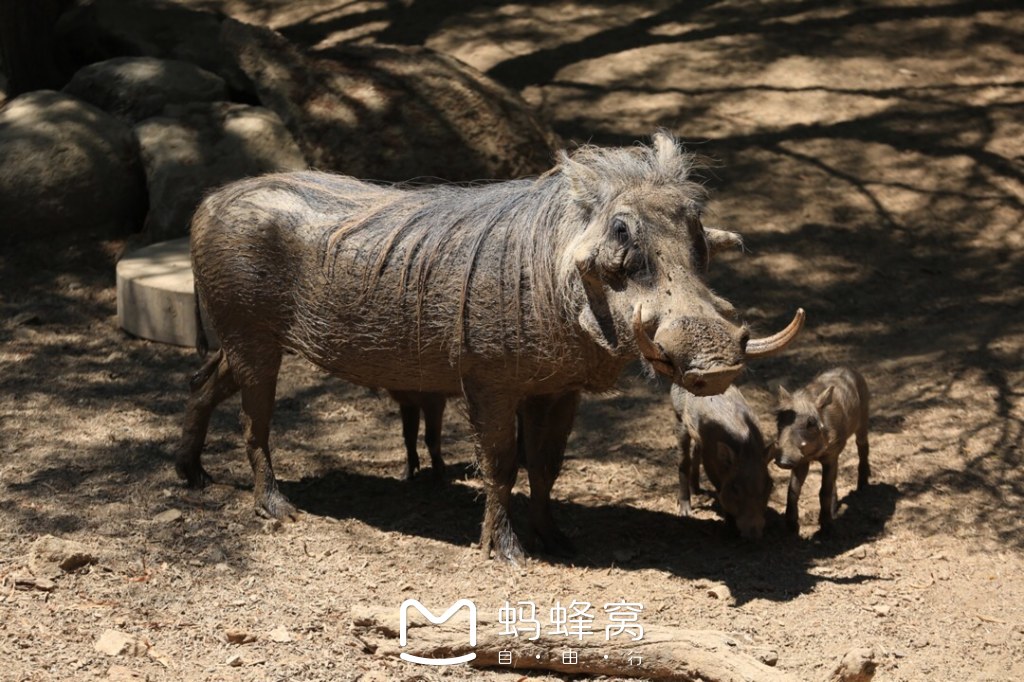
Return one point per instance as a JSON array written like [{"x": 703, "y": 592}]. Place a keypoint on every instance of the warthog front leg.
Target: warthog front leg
[
  {"x": 545, "y": 425},
  {"x": 796, "y": 484},
  {"x": 210, "y": 386},
  {"x": 863, "y": 466},
  {"x": 827, "y": 497},
  {"x": 493, "y": 417},
  {"x": 686, "y": 464}
]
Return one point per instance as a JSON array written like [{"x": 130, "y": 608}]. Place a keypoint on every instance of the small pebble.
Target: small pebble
[
  {"x": 720, "y": 592},
  {"x": 280, "y": 634},
  {"x": 169, "y": 516}
]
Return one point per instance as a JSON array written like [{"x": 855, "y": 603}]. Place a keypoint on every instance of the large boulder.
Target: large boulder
[
  {"x": 135, "y": 88},
  {"x": 66, "y": 167},
  {"x": 194, "y": 148},
  {"x": 392, "y": 113},
  {"x": 101, "y": 29}
]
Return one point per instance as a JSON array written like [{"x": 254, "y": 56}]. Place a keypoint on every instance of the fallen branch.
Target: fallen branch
[{"x": 664, "y": 653}]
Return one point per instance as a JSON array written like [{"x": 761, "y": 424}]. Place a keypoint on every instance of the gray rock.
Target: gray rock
[
  {"x": 194, "y": 148},
  {"x": 858, "y": 665},
  {"x": 115, "y": 643},
  {"x": 135, "y": 88},
  {"x": 168, "y": 516},
  {"x": 67, "y": 167},
  {"x": 102, "y": 29},
  {"x": 721, "y": 592},
  {"x": 51, "y": 557},
  {"x": 392, "y": 113}
]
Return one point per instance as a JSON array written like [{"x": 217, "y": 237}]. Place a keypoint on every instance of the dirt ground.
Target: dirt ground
[{"x": 872, "y": 153}]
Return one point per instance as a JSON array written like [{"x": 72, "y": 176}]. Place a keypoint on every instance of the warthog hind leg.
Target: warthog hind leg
[
  {"x": 259, "y": 384},
  {"x": 210, "y": 386}
]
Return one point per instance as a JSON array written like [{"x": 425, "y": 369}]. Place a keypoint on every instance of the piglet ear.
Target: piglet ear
[
  {"x": 824, "y": 398},
  {"x": 785, "y": 399}
]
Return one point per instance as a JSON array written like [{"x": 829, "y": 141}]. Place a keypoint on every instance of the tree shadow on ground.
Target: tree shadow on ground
[
  {"x": 772, "y": 28},
  {"x": 925, "y": 298},
  {"x": 779, "y": 568}
]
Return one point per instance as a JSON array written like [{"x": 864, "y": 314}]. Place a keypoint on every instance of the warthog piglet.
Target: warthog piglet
[
  {"x": 814, "y": 424},
  {"x": 722, "y": 432}
]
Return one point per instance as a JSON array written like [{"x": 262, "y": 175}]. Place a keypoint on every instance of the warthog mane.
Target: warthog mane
[{"x": 510, "y": 241}]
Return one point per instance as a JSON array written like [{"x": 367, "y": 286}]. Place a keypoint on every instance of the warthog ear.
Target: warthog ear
[
  {"x": 824, "y": 398},
  {"x": 673, "y": 163},
  {"x": 583, "y": 181},
  {"x": 720, "y": 240},
  {"x": 785, "y": 399},
  {"x": 665, "y": 148}
]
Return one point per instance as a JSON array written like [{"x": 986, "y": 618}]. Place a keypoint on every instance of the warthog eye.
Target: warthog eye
[
  {"x": 620, "y": 230},
  {"x": 812, "y": 422}
]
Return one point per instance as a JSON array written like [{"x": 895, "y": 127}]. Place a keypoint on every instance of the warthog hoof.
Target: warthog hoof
[
  {"x": 551, "y": 541},
  {"x": 557, "y": 544},
  {"x": 436, "y": 473},
  {"x": 508, "y": 550},
  {"x": 274, "y": 505},
  {"x": 410, "y": 472},
  {"x": 505, "y": 545},
  {"x": 194, "y": 475}
]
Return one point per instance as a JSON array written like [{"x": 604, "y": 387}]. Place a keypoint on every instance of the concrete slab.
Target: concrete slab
[{"x": 155, "y": 298}]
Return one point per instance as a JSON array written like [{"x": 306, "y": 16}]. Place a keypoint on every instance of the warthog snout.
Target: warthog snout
[
  {"x": 705, "y": 355},
  {"x": 784, "y": 461},
  {"x": 751, "y": 528}
]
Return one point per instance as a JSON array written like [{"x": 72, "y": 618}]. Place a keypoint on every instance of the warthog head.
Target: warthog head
[
  {"x": 746, "y": 487},
  {"x": 642, "y": 258},
  {"x": 801, "y": 426}
]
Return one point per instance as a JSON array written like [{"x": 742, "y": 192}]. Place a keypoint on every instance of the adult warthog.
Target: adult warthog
[{"x": 517, "y": 295}]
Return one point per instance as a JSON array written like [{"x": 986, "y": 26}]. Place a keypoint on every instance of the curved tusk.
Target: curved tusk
[
  {"x": 760, "y": 348},
  {"x": 647, "y": 347}
]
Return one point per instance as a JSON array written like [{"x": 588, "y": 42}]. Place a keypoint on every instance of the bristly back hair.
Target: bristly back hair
[{"x": 517, "y": 231}]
